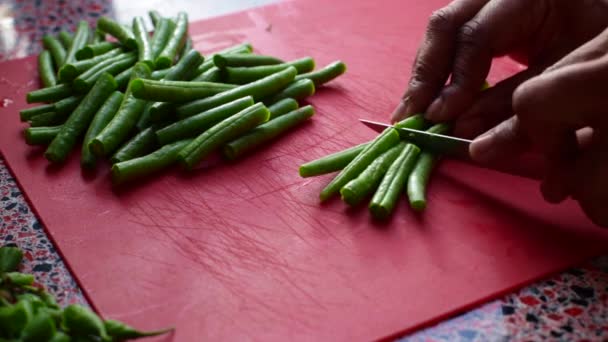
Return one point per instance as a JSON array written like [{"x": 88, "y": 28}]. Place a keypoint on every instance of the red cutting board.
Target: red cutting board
[{"x": 246, "y": 252}]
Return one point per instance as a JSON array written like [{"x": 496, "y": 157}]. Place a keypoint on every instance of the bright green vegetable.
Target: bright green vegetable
[
  {"x": 394, "y": 181},
  {"x": 45, "y": 69},
  {"x": 112, "y": 66},
  {"x": 244, "y": 75},
  {"x": 214, "y": 74},
  {"x": 120, "y": 32},
  {"x": 160, "y": 74},
  {"x": 281, "y": 107},
  {"x": 81, "y": 37},
  {"x": 70, "y": 71},
  {"x": 120, "y": 331},
  {"x": 145, "y": 120},
  {"x": 149, "y": 164},
  {"x": 176, "y": 91},
  {"x": 14, "y": 318},
  {"x": 162, "y": 33},
  {"x": 266, "y": 132},
  {"x": 98, "y": 37},
  {"x": 419, "y": 177},
  {"x": 67, "y": 105},
  {"x": 357, "y": 189},
  {"x": 244, "y": 60},
  {"x": 298, "y": 90},
  {"x": 155, "y": 17},
  {"x": 243, "y": 48},
  {"x": 258, "y": 89},
  {"x": 79, "y": 121},
  {"x": 47, "y": 119},
  {"x": 184, "y": 69},
  {"x": 122, "y": 79},
  {"x": 144, "y": 48},
  {"x": 28, "y": 113},
  {"x": 221, "y": 133},
  {"x": 141, "y": 144},
  {"x": 101, "y": 119},
  {"x": 41, "y": 135},
  {"x": 55, "y": 48},
  {"x": 80, "y": 321},
  {"x": 118, "y": 130},
  {"x": 18, "y": 279},
  {"x": 66, "y": 39},
  {"x": 194, "y": 125},
  {"x": 40, "y": 328},
  {"x": 10, "y": 258},
  {"x": 93, "y": 50},
  {"x": 174, "y": 43},
  {"x": 50, "y": 94},
  {"x": 324, "y": 75},
  {"x": 60, "y": 337}
]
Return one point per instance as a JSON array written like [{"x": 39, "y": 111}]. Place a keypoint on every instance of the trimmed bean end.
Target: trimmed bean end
[
  {"x": 418, "y": 205},
  {"x": 379, "y": 212}
]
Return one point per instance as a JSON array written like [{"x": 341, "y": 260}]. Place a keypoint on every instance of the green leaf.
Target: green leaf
[{"x": 10, "y": 258}]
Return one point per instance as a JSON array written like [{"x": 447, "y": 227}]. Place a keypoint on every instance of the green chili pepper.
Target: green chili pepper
[
  {"x": 141, "y": 144},
  {"x": 120, "y": 331},
  {"x": 80, "y": 321},
  {"x": 176, "y": 91},
  {"x": 101, "y": 119},
  {"x": 121, "y": 33},
  {"x": 45, "y": 69},
  {"x": 40, "y": 328},
  {"x": 244, "y": 75},
  {"x": 324, "y": 75},
  {"x": 143, "y": 43},
  {"x": 81, "y": 37},
  {"x": 10, "y": 258},
  {"x": 55, "y": 48},
  {"x": 174, "y": 43}
]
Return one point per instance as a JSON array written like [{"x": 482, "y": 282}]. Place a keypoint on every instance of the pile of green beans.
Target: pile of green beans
[
  {"x": 147, "y": 101},
  {"x": 29, "y": 313}
]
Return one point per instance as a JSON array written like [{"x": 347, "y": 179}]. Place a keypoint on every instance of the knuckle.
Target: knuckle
[
  {"x": 471, "y": 33},
  {"x": 441, "y": 21}
]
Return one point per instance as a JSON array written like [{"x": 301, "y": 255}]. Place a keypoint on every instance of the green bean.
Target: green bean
[
  {"x": 214, "y": 74},
  {"x": 158, "y": 160},
  {"x": 67, "y": 105},
  {"x": 111, "y": 66},
  {"x": 258, "y": 89},
  {"x": 176, "y": 91},
  {"x": 360, "y": 187},
  {"x": 40, "y": 328},
  {"x": 197, "y": 124},
  {"x": 141, "y": 144},
  {"x": 28, "y": 113},
  {"x": 50, "y": 94},
  {"x": 120, "y": 32},
  {"x": 55, "y": 48},
  {"x": 243, "y": 75},
  {"x": 93, "y": 50},
  {"x": 68, "y": 72},
  {"x": 45, "y": 69},
  {"x": 41, "y": 135},
  {"x": 66, "y": 39},
  {"x": 174, "y": 43},
  {"x": 244, "y": 60},
  {"x": 161, "y": 35},
  {"x": 78, "y": 122},
  {"x": 81, "y": 38},
  {"x": 101, "y": 119},
  {"x": 266, "y": 132},
  {"x": 419, "y": 177},
  {"x": 298, "y": 90},
  {"x": 281, "y": 107},
  {"x": 118, "y": 130},
  {"x": 393, "y": 183},
  {"x": 122, "y": 79},
  {"x": 80, "y": 321},
  {"x": 187, "y": 47},
  {"x": 10, "y": 258},
  {"x": 143, "y": 42},
  {"x": 155, "y": 17},
  {"x": 326, "y": 74},
  {"x": 120, "y": 331},
  {"x": 160, "y": 111},
  {"x": 223, "y": 132},
  {"x": 160, "y": 74},
  {"x": 47, "y": 119},
  {"x": 331, "y": 163},
  {"x": 98, "y": 37},
  {"x": 184, "y": 69},
  {"x": 243, "y": 48}
]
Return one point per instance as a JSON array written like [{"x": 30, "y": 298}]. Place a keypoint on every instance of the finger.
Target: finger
[
  {"x": 433, "y": 62},
  {"x": 492, "y": 107},
  {"x": 490, "y": 33},
  {"x": 594, "y": 49},
  {"x": 505, "y": 141}
]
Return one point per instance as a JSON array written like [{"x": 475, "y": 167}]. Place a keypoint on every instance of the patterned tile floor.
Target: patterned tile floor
[{"x": 569, "y": 307}]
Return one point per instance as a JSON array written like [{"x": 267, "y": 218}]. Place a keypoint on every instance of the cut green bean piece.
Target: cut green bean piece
[
  {"x": 122, "y": 79},
  {"x": 214, "y": 74},
  {"x": 244, "y": 48},
  {"x": 225, "y": 131},
  {"x": 161, "y": 111},
  {"x": 244, "y": 75},
  {"x": 162, "y": 32},
  {"x": 79, "y": 121},
  {"x": 184, "y": 69},
  {"x": 47, "y": 119},
  {"x": 267, "y": 132},
  {"x": 118, "y": 130},
  {"x": 98, "y": 37},
  {"x": 419, "y": 177},
  {"x": 141, "y": 144},
  {"x": 93, "y": 50},
  {"x": 120, "y": 32},
  {"x": 176, "y": 91},
  {"x": 197, "y": 124},
  {"x": 174, "y": 43},
  {"x": 28, "y": 113},
  {"x": 281, "y": 107},
  {"x": 67, "y": 105},
  {"x": 159, "y": 74},
  {"x": 187, "y": 47},
  {"x": 69, "y": 72},
  {"x": 50, "y": 94},
  {"x": 81, "y": 38},
  {"x": 298, "y": 90},
  {"x": 55, "y": 48},
  {"x": 46, "y": 70},
  {"x": 41, "y": 135},
  {"x": 244, "y": 60},
  {"x": 66, "y": 39},
  {"x": 258, "y": 89},
  {"x": 101, "y": 119},
  {"x": 326, "y": 74},
  {"x": 155, "y": 17},
  {"x": 156, "y": 161},
  {"x": 359, "y": 188},
  {"x": 142, "y": 39},
  {"x": 145, "y": 119},
  {"x": 393, "y": 183},
  {"x": 112, "y": 66},
  {"x": 331, "y": 163}
]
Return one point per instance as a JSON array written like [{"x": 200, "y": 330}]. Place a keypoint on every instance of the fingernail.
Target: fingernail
[
  {"x": 482, "y": 148},
  {"x": 435, "y": 110},
  {"x": 401, "y": 111}
]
